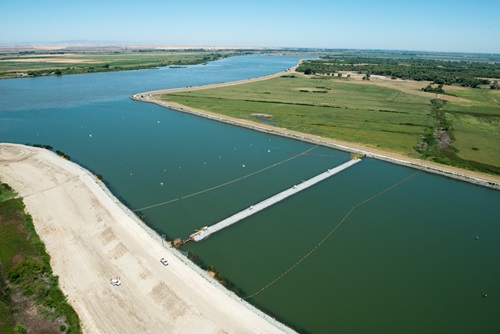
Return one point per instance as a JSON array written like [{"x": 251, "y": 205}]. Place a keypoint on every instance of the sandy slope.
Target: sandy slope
[{"x": 92, "y": 239}]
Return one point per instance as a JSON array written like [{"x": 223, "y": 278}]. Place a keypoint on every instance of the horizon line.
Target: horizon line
[{"x": 110, "y": 44}]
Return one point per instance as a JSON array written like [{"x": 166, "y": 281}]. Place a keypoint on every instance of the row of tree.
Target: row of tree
[{"x": 463, "y": 73}]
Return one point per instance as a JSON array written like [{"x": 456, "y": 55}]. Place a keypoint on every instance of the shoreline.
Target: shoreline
[
  {"x": 91, "y": 237},
  {"x": 478, "y": 178}
]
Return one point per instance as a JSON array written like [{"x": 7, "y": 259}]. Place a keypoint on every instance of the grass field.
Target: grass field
[
  {"x": 30, "y": 298},
  {"x": 476, "y": 125},
  {"x": 74, "y": 63},
  {"x": 330, "y": 108},
  {"x": 394, "y": 118}
]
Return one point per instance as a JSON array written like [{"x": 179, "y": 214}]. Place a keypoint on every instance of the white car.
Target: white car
[
  {"x": 164, "y": 261},
  {"x": 115, "y": 282}
]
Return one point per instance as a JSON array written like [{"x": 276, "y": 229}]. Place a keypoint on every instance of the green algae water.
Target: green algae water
[
  {"x": 415, "y": 259},
  {"x": 407, "y": 261}
]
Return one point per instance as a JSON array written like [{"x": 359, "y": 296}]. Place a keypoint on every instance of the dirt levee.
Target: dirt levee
[{"x": 92, "y": 238}]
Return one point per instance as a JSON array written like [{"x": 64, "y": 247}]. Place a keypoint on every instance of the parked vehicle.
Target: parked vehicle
[{"x": 115, "y": 282}]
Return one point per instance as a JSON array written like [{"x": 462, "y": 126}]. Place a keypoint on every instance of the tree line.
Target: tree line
[{"x": 463, "y": 73}]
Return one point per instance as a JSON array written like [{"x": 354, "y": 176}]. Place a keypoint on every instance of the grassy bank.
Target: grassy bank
[
  {"x": 30, "y": 299},
  {"x": 388, "y": 115},
  {"x": 36, "y": 64}
]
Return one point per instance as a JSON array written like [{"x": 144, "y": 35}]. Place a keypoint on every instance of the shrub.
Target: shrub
[{"x": 19, "y": 329}]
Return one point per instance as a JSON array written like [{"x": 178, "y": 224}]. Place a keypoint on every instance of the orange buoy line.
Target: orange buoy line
[{"x": 327, "y": 236}]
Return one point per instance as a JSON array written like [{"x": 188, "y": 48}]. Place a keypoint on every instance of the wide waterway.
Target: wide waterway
[{"x": 415, "y": 259}]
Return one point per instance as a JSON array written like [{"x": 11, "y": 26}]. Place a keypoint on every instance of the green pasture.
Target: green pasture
[
  {"x": 342, "y": 110},
  {"x": 476, "y": 125},
  {"x": 362, "y": 112}
]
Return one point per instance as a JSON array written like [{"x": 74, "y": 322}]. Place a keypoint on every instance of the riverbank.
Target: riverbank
[
  {"x": 483, "y": 179},
  {"x": 92, "y": 238}
]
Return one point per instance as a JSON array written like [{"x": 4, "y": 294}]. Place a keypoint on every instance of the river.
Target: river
[{"x": 414, "y": 252}]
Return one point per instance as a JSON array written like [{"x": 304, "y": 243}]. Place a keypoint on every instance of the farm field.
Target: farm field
[
  {"x": 60, "y": 63},
  {"x": 392, "y": 115}
]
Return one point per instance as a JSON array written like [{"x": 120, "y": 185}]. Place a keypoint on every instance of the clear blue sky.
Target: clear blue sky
[{"x": 427, "y": 25}]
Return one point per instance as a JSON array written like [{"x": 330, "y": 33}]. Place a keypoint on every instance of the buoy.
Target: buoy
[
  {"x": 130, "y": 174},
  {"x": 158, "y": 122},
  {"x": 477, "y": 237},
  {"x": 268, "y": 151},
  {"x": 90, "y": 135},
  {"x": 161, "y": 184},
  {"x": 485, "y": 294},
  {"x": 242, "y": 165}
]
